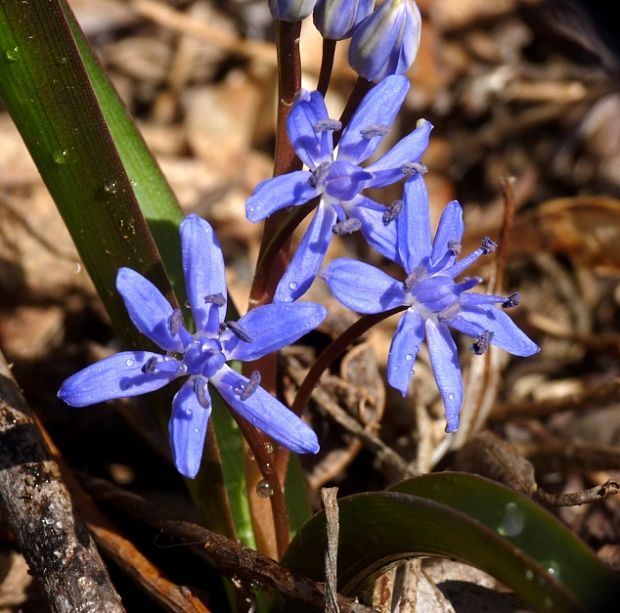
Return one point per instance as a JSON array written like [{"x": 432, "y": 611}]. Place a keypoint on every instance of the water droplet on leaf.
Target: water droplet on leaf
[
  {"x": 552, "y": 567},
  {"x": 111, "y": 187},
  {"x": 408, "y": 357},
  {"x": 511, "y": 521},
  {"x": 293, "y": 286},
  {"x": 451, "y": 396},
  {"x": 264, "y": 489},
  {"x": 128, "y": 362},
  {"x": 13, "y": 54},
  {"x": 60, "y": 156}
]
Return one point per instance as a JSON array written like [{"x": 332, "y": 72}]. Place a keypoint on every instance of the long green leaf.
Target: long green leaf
[{"x": 377, "y": 529}]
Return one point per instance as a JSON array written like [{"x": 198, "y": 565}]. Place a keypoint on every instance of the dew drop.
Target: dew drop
[
  {"x": 188, "y": 412},
  {"x": 511, "y": 521},
  {"x": 264, "y": 489},
  {"x": 293, "y": 286},
  {"x": 408, "y": 357},
  {"x": 111, "y": 187},
  {"x": 13, "y": 54},
  {"x": 552, "y": 567},
  {"x": 128, "y": 362},
  {"x": 268, "y": 447},
  {"x": 238, "y": 388},
  {"x": 60, "y": 156},
  {"x": 451, "y": 396},
  {"x": 197, "y": 430},
  {"x": 529, "y": 574}
]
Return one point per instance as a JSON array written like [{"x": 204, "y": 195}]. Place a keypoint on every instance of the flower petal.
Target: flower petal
[
  {"x": 505, "y": 332},
  {"x": 413, "y": 225},
  {"x": 406, "y": 343},
  {"x": 309, "y": 256},
  {"x": 271, "y": 327},
  {"x": 267, "y": 413},
  {"x": 379, "y": 236},
  {"x": 362, "y": 287},
  {"x": 312, "y": 144},
  {"x": 279, "y": 192},
  {"x": 118, "y": 376},
  {"x": 148, "y": 309},
  {"x": 378, "y": 108},
  {"x": 447, "y": 370},
  {"x": 203, "y": 267},
  {"x": 449, "y": 230},
  {"x": 389, "y": 168},
  {"x": 187, "y": 428}
]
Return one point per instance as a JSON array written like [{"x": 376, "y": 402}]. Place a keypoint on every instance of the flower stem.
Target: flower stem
[
  {"x": 331, "y": 353},
  {"x": 269, "y": 270},
  {"x": 327, "y": 65}
]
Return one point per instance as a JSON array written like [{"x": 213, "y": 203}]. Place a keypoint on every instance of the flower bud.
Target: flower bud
[
  {"x": 291, "y": 10},
  {"x": 387, "y": 41},
  {"x": 335, "y": 19}
]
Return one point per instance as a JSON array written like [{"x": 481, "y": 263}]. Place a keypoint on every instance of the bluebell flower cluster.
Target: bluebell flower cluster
[
  {"x": 336, "y": 177},
  {"x": 434, "y": 298},
  {"x": 200, "y": 357}
]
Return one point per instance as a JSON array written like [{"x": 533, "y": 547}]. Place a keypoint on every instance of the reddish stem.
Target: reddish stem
[
  {"x": 327, "y": 65},
  {"x": 331, "y": 353}
]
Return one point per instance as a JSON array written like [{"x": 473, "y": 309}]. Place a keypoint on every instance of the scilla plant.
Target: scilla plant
[{"x": 217, "y": 371}]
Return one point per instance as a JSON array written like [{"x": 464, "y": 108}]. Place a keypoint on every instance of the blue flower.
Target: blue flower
[
  {"x": 201, "y": 357},
  {"x": 338, "y": 178},
  {"x": 434, "y": 298},
  {"x": 291, "y": 10},
  {"x": 335, "y": 19},
  {"x": 387, "y": 41}
]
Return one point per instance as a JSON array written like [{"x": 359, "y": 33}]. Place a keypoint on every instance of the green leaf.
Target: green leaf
[{"x": 428, "y": 516}]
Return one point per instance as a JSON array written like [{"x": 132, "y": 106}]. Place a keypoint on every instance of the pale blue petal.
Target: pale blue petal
[
  {"x": 148, "y": 309},
  {"x": 313, "y": 147},
  {"x": 449, "y": 230},
  {"x": 446, "y": 370},
  {"x": 188, "y": 428},
  {"x": 413, "y": 225},
  {"x": 267, "y": 413},
  {"x": 118, "y": 376},
  {"x": 389, "y": 168},
  {"x": 379, "y": 236},
  {"x": 279, "y": 192},
  {"x": 362, "y": 287},
  {"x": 203, "y": 267},
  {"x": 271, "y": 327},
  {"x": 379, "y": 107},
  {"x": 505, "y": 333},
  {"x": 308, "y": 257},
  {"x": 406, "y": 343}
]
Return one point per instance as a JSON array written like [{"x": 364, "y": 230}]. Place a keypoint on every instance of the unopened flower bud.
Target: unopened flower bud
[
  {"x": 291, "y": 10},
  {"x": 335, "y": 19},
  {"x": 387, "y": 41}
]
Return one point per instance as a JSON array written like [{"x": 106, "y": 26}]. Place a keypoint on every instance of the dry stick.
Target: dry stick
[
  {"x": 229, "y": 557},
  {"x": 37, "y": 507},
  {"x": 169, "y": 596},
  {"x": 266, "y": 278},
  {"x": 572, "y": 499},
  {"x": 329, "y": 499},
  {"x": 334, "y": 350}
]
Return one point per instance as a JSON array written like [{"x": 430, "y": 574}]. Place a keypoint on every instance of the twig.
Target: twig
[
  {"x": 572, "y": 499},
  {"x": 169, "y": 596},
  {"x": 229, "y": 557},
  {"x": 39, "y": 511},
  {"x": 330, "y": 505}
]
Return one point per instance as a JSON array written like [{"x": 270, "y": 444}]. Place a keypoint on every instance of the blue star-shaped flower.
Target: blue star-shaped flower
[
  {"x": 201, "y": 356},
  {"x": 338, "y": 178},
  {"x": 434, "y": 298}
]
